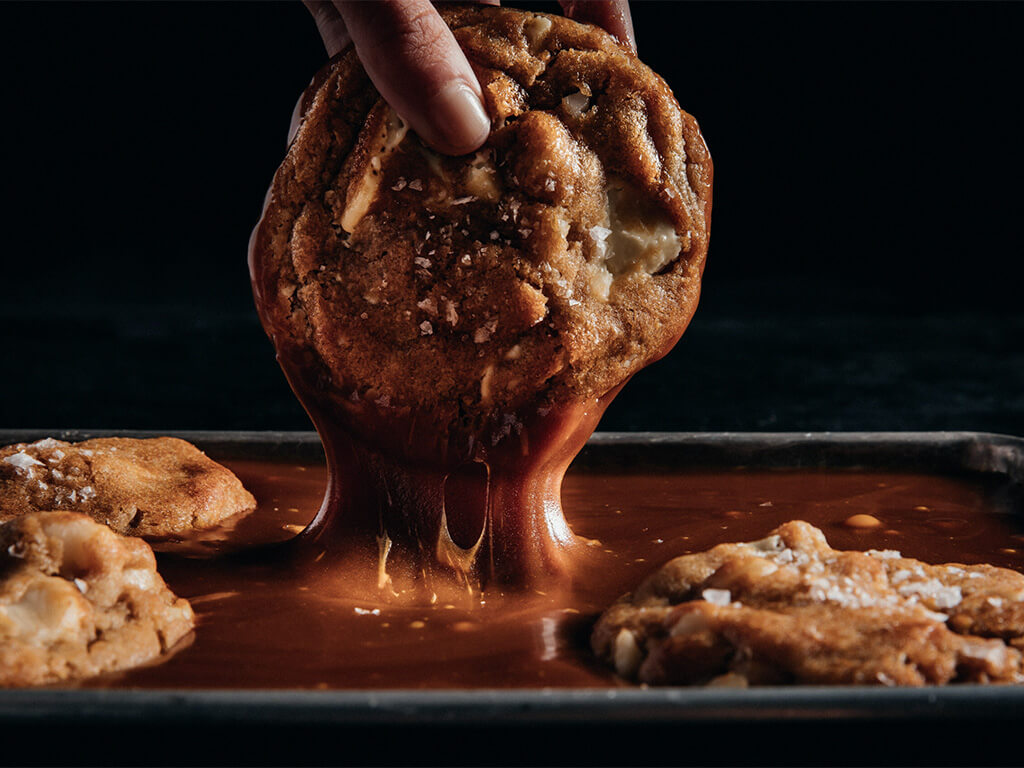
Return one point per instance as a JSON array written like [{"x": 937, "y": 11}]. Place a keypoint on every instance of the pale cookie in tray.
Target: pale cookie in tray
[
  {"x": 77, "y": 600},
  {"x": 790, "y": 609},
  {"x": 556, "y": 261},
  {"x": 154, "y": 488}
]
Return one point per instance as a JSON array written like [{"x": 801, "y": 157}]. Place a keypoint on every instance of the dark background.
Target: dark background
[{"x": 865, "y": 265}]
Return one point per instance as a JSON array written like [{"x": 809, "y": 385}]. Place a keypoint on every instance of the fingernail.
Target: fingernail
[{"x": 457, "y": 120}]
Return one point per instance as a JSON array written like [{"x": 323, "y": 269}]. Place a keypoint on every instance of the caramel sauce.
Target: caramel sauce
[{"x": 267, "y": 619}]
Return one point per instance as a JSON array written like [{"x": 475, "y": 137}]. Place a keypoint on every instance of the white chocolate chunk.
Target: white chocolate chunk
[{"x": 363, "y": 191}]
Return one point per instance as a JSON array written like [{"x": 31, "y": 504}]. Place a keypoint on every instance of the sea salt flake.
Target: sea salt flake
[
  {"x": 423, "y": 262},
  {"x": 416, "y": 184},
  {"x": 450, "y": 313},
  {"x": 22, "y": 461},
  {"x": 367, "y": 611},
  {"x": 426, "y": 328}
]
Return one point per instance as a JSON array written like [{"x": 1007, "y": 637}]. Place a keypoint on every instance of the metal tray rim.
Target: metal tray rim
[{"x": 505, "y": 706}]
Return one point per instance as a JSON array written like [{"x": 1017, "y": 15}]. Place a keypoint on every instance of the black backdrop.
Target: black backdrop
[{"x": 865, "y": 261}]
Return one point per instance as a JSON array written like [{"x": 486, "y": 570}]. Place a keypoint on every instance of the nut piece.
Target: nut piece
[{"x": 77, "y": 600}]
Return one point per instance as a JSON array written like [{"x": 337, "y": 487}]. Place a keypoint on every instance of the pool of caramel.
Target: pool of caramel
[{"x": 265, "y": 624}]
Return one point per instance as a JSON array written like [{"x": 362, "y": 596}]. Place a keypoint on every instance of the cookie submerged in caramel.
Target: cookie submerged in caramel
[
  {"x": 790, "y": 609},
  {"x": 78, "y": 600},
  {"x": 472, "y": 316},
  {"x": 155, "y": 488}
]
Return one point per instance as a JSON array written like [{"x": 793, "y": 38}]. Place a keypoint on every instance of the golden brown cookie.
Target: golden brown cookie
[
  {"x": 152, "y": 488},
  {"x": 551, "y": 265},
  {"x": 790, "y": 609},
  {"x": 77, "y": 600}
]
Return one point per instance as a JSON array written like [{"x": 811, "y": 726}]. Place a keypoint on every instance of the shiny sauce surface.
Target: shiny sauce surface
[{"x": 263, "y": 624}]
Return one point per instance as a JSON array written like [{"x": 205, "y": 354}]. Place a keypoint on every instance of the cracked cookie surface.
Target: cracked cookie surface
[
  {"x": 790, "y": 609},
  {"x": 77, "y": 600},
  {"x": 154, "y": 488},
  {"x": 554, "y": 263}
]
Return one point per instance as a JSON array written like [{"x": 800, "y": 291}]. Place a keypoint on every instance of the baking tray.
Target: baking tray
[{"x": 612, "y": 718}]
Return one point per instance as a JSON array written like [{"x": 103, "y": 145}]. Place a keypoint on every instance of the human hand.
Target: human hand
[{"x": 417, "y": 66}]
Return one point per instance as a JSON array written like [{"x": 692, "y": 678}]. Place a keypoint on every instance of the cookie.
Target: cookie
[
  {"x": 547, "y": 267},
  {"x": 790, "y": 609},
  {"x": 77, "y": 600},
  {"x": 154, "y": 488}
]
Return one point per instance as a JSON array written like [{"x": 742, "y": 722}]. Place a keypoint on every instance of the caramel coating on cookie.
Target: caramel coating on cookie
[
  {"x": 554, "y": 263},
  {"x": 77, "y": 600},
  {"x": 153, "y": 488},
  {"x": 790, "y": 609}
]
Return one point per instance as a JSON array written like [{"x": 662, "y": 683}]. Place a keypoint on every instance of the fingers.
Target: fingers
[
  {"x": 611, "y": 15},
  {"x": 413, "y": 59},
  {"x": 328, "y": 21}
]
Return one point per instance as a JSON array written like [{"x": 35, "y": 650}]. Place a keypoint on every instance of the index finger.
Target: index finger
[{"x": 611, "y": 15}]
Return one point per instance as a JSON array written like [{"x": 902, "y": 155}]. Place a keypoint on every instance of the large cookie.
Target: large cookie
[
  {"x": 154, "y": 488},
  {"x": 790, "y": 609},
  {"x": 552, "y": 264},
  {"x": 77, "y": 599}
]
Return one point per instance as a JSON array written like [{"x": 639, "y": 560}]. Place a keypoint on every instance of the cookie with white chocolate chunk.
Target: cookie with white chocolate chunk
[
  {"x": 559, "y": 259},
  {"x": 790, "y": 609},
  {"x": 78, "y": 600},
  {"x": 153, "y": 488}
]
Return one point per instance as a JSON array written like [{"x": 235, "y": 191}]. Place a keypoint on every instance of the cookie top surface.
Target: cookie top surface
[
  {"x": 153, "y": 488},
  {"x": 555, "y": 262},
  {"x": 77, "y": 600},
  {"x": 790, "y": 609}
]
